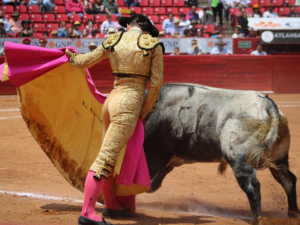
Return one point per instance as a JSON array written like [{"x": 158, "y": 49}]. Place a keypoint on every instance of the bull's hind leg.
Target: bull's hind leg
[
  {"x": 246, "y": 177},
  {"x": 288, "y": 181}
]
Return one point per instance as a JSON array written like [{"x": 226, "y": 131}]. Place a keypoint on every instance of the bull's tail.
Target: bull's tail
[{"x": 256, "y": 157}]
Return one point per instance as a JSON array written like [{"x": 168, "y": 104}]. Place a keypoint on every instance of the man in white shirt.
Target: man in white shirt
[
  {"x": 107, "y": 24},
  {"x": 270, "y": 13},
  {"x": 168, "y": 23},
  {"x": 176, "y": 27},
  {"x": 258, "y": 51},
  {"x": 183, "y": 21},
  {"x": 220, "y": 49}
]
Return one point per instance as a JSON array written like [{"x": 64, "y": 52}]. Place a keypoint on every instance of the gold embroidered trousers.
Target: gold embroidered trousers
[{"x": 120, "y": 114}]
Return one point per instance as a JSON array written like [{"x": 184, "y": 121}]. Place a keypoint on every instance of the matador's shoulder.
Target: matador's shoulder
[
  {"x": 147, "y": 42},
  {"x": 112, "y": 40}
]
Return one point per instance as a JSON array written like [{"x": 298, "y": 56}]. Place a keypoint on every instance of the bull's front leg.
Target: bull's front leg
[
  {"x": 246, "y": 177},
  {"x": 288, "y": 181}
]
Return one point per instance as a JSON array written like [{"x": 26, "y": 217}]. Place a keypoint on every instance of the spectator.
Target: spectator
[
  {"x": 43, "y": 42},
  {"x": 217, "y": 7},
  {"x": 110, "y": 31},
  {"x": 26, "y": 30},
  {"x": 15, "y": 23},
  {"x": 94, "y": 33},
  {"x": 176, "y": 51},
  {"x": 116, "y": 23},
  {"x": 243, "y": 22},
  {"x": 193, "y": 30},
  {"x": 2, "y": 27},
  {"x": 90, "y": 27},
  {"x": 256, "y": 13},
  {"x": 85, "y": 33},
  {"x": 107, "y": 24},
  {"x": 111, "y": 8},
  {"x": 270, "y": 13},
  {"x": 168, "y": 23},
  {"x": 76, "y": 27},
  {"x": 183, "y": 21},
  {"x": 258, "y": 51},
  {"x": 62, "y": 30},
  {"x": 71, "y": 33},
  {"x": 237, "y": 32},
  {"x": 194, "y": 49},
  {"x": 92, "y": 46},
  {"x": 293, "y": 13},
  {"x": 46, "y": 34},
  {"x": 98, "y": 7},
  {"x": 220, "y": 49},
  {"x": 243, "y": 3},
  {"x": 207, "y": 17},
  {"x": 54, "y": 34},
  {"x": 11, "y": 2},
  {"x": 287, "y": 49},
  {"x": 187, "y": 33},
  {"x": 6, "y": 23},
  {"x": 199, "y": 33},
  {"x": 192, "y": 15},
  {"x": 176, "y": 27},
  {"x": 26, "y": 41},
  {"x": 2, "y": 49},
  {"x": 161, "y": 34},
  {"x": 47, "y": 5},
  {"x": 3, "y": 34},
  {"x": 227, "y": 4},
  {"x": 75, "y": 7},
  {"x": 131, "y": 3}
]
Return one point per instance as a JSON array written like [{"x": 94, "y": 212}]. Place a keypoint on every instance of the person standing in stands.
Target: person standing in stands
[
  {"x": 270, "y": 13},
  {"x": 217, "y": 7},
  {"x": 47, "y": 5},
  {"x": 259, "y": 50},
  {"x": 208, "y": 17},
  {"x": 192, "y": 15},
  {"x": 168, "y": 23},
  {"x": 75, "y": 7}
]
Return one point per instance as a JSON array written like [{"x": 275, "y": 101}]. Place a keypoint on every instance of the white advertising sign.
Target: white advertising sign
[{"x": 289, "y": 23}]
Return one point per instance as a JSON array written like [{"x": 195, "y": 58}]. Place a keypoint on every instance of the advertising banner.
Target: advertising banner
[
  {"x": 288, "y": 23},
  {"x": 283, "y": 36}
]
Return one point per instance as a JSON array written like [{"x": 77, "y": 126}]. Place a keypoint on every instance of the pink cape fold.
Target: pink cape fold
[{"x": 26, "y": 63}]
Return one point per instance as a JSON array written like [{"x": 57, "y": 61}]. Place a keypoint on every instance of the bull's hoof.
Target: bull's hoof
[
  {"x": 259, "y": 221},
  {"x": 294, "y": 214},
  {"x": 153, "y": 189}
]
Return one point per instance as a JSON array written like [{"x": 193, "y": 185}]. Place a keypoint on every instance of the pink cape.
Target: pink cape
[{"x": 26, "y": 63}]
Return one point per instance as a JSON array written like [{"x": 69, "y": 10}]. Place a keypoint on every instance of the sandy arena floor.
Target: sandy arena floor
[{"x": 33, "y": 192}]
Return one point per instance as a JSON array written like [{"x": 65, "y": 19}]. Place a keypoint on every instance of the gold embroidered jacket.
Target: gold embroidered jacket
[{"x": 130, "y": 54}]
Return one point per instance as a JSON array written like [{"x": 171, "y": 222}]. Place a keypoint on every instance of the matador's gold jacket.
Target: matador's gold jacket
[{"x": 133, "y": 54}]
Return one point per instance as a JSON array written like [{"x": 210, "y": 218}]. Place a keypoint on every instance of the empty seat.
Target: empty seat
[
  {"x": 100, "y": 18},
  {"x": 86, "y": 17},
  {"x": 144, "y": 3},
  {"x": 173, "y": 10},
  {"x": 297, "y": 9},
  {"x": 120, "y": 2},
  {"x": 253, "y": 2},
  {"x": 33, "y": 9},
  {"x": 59, "y": 2},
  {"x": 36, "y": 18},
  {"x": 49, "y": 18},
  {"x": 7, "y": 16},
  {"x": 159, "y": 27},
  {"x": 184, "y": 10},
  {"x": 248, "y": 10},
  {"x": 208, "y": 28},
  {"x": 59, "y": 9},
  {"x": 38, "y": 27},
  {"x": 136, "y": 9},
  {"x": 166, "y": 3},
  {"x": 147, "y": 10},
  {"x": 162, "y": 18},
  {"x": 52, "y": 26},
  {"x": 160, "y": 10},
  {"x": 233, "y": 11},
  {"x": 62, "y": 17},
  {"x": 21, "y": 8},
  {"x": 154, "y": 18},
  {"x": 7, "y": 9},
  {"x": 93, "y": 1},
  {"x": 283, "y": 11},
  {"x": 178, "y": 3},
  {"x": 37, "y": 35},
  {"x": 154, "y": 2},
  {"x": 265, "y": 3},
  {"x": 75, "y": 17},
  {"x": 277, "y": 2},
  {"x": 24, "y": 17}
]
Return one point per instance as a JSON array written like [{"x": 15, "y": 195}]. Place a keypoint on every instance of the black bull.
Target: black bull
[{"x": 193, "y": 123}]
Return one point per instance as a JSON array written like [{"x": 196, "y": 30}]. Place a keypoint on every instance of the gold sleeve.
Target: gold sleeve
[
  {"x": 87, "y": 60},
  {"x": 156, "y": 79}
]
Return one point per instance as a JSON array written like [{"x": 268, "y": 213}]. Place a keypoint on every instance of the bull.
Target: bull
[{"x": 193, "y": 123}]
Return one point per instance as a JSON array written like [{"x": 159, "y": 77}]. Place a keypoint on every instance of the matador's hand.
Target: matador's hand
[{"x": 68, "y": 53}]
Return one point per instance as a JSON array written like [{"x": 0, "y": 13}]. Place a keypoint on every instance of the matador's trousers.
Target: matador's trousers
[{"x": 120, "y": 114}]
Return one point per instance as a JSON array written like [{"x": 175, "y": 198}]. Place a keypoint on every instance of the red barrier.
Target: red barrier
[{"x": 261, "y": 73}]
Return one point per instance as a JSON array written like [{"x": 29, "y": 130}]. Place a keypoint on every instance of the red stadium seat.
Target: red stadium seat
[
  {"x": 208, "y": 28},
  {"x": 283, "y": 11},
  {"x": 233, "y": 11},
  {"x": 7, "y": 9},
  {"x": 262, "y": 10},
  {"x": 24, "y": 17},
  {"x": 206, "y": 36},
  {"x": 154, "y": 3},
  {"x": 38, "y": 27},
  {"x": 154, "y": 18},
  {"x": 68, "y": 25},
  {"x": 159, "y": 27},
  {"x": 265, "y": 3},
  {"x": 36, "y": 18},
  {"x": 52, "y": 26},
  {"x": 59, "y": 2},
  {"x": 33, "y": 9},
  {"x": 49, "y": 18},
  {"x": 147, "y": 10},
  {"x": 21, "y": 8},
  {"x": 7, "y": 16},
  {"x": 136, "y": 9},
  {"x": 289, "y": 2},
  {"x": 277, "y": 2},
  {"x": 62, "y": 17},
  {"x": 93, "y": 1},
  {"x": 253, "y": 2},
  {"x": 248, "y": 10},
  {"x": 86, "y": 17},
  {"x": 173, "y": 10},
  {"x": 59, "y": 9},
  {"x": 166, "y": 3},
  {"x": 178, "y": 3},
  {"x": 144, "y": 3},
  {"x": 162, "y": 18},
  {"x": 75, "y": 17},
  {"x": 120, "y": 2},
  {"x": 37, "y": 35},
  {"x": 297, "y": 9},
  {"x": 100, "y": 35},
  {"x": 114, "y": 17},
  {"x": 100, "y": 18},
  {"x": 184, "y": 10},
  {"x": 160, "y": 10}
]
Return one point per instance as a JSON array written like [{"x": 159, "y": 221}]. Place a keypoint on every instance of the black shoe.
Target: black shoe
[
  {"x": 86, "y": 221},
  {"x": 117, "y": 213}
]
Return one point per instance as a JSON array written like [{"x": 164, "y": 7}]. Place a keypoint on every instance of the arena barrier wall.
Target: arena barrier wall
[{"x": 280, "y": 74}]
